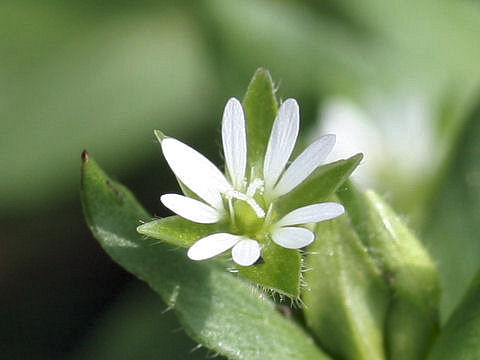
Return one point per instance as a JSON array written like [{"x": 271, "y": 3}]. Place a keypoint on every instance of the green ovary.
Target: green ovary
[{"x": 246, "y": 220}]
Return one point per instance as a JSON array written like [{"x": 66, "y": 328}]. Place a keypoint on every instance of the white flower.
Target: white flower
[
  {"x": 373, "y": 127},
  {"x": 220, "y": 196}
]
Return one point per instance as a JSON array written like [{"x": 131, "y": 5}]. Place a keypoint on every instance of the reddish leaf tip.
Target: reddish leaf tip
[{"x": 84, "y": 156}]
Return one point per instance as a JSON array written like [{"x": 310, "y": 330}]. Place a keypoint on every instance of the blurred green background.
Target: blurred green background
[{"x": 396, "y": 80}]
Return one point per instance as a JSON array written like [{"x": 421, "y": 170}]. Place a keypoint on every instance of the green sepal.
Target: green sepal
[
  {"x": 279, "y": 271},
  {"x": 412, "y": 321},
  {"x": 260, "y": 108},
  {"x": 319, "y": 186},
  {"x": 177, "y": 231},
  {"x": 347, "y": 297},
  {"x": 217, "y": 309}
]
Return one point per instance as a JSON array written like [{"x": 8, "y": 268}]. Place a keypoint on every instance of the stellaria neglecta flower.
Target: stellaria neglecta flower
[{"x": 247, "y": 201}]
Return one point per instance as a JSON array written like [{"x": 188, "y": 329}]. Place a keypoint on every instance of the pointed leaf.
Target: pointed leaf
[
  {"x": 219, "y": 310},
  {"x": 319, "y": 186},
  {"x": 280, "y": 270},
  {"x": 347, "y": 297},
  {"x": 412, "y": 321},
  {"x": 177, "y": 231},
  {"x": 453, "y": 229},
  {"x": 260, "y": 107}
]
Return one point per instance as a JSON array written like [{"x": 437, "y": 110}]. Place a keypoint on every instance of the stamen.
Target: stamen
[
  {"x": 234, "y": 194},
  {"x": 257, "y": 208},
  {"x": 269, "y": 214},
  {"x": 230, "y": 208},
  {"x": 256, "y": 184}
]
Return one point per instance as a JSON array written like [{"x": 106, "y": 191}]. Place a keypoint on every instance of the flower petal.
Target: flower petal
[
  {"x": 292, "y": 237},
  {"x": 246, "y": 252},
  {"x": 191, "y": 209},
  {"x": 281, "y": 143},
  {"x": 212, "y": 245},
  {"x": 234, "y": 139},
  {"x": 312, "y": 214},
  {"x": 305, "y": 164},
  {"x": 196, "y": 172}
]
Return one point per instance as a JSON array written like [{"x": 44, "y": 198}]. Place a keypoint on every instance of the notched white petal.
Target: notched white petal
[
  {"x": 212, "y": 245},
  {"x": 281, "y": 143},
  {"x": 246, "y": 252},
  {"x": 234, "y": 140},
  {"x": 312, "y": 214},
  {"x": 305, "y": 164},
  {"x": 196, "y": 172},
  {"x": 191, "y": 209},
  {"x": 292, "y": 237}
]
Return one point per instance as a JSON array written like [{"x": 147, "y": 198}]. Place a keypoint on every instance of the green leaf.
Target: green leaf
[
  {"x": 460, "y": 338},
  {"x": 347, "y": 297},
  {"x": 412, "y": 321},
  {"x": 280, "y": 270},
  {"x": 177, "y": 231},
  {"x": 452, "y": 232},
  {"x": 137, "y": 326},
  {"x": 217, "y": 309},
  {"x": 260, "y": 107},
  {"x": 319, "y": 186}
]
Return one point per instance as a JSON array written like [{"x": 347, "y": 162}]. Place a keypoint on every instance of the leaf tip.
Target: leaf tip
[
  {"x": 263, "y": 75},
  {"x": 263, "y": 72},
  {"x": 84, "y": 156},
  {"x": 359, "y": 157}
]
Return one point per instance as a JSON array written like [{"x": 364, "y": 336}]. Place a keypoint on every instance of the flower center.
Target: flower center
[
  {"x": 234, "y": 194},
  {"x": 256, "y": 185},
  {"x": 246, "y": 214}
]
